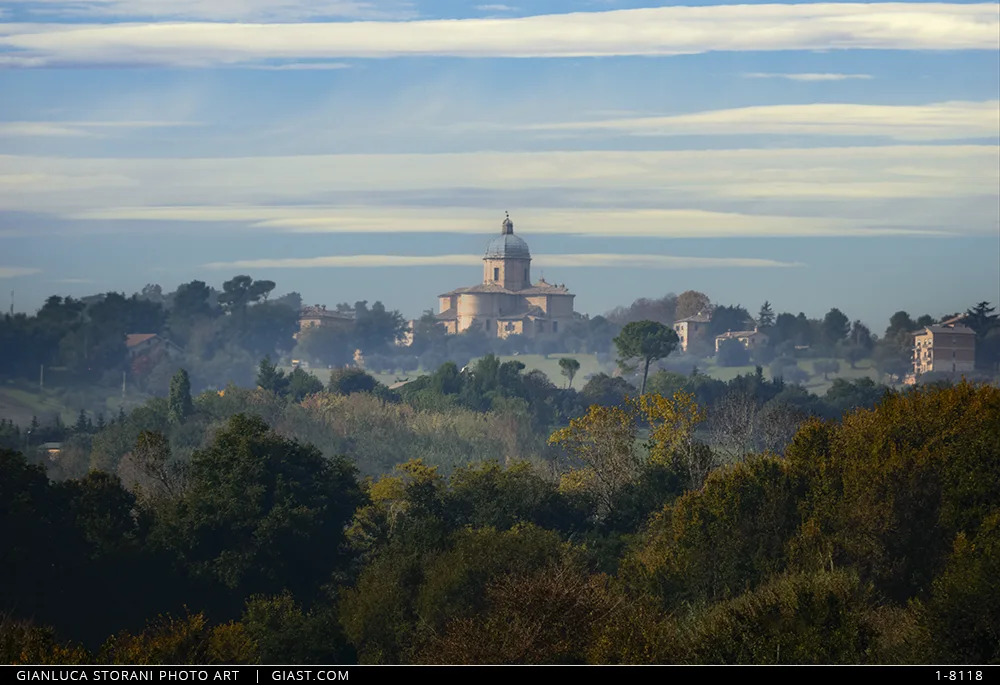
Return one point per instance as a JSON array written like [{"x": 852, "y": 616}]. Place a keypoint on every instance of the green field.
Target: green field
[
  {"x": 549, "y": 365},
  {"x": 19, "y": 402},
  {"x": 816, "y": 384}
]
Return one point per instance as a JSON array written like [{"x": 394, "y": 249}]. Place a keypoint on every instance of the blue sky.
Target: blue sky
[{"x": 814, "y": 155}]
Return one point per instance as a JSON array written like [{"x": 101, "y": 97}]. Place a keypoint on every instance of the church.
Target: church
[{"x": 506, "y": 302}]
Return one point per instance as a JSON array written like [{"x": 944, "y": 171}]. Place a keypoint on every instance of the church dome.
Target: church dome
[{"x": 507, "y": 245}]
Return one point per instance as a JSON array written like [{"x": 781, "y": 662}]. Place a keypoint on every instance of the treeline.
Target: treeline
[
  {"x": 492, "y": 409},
  {"x": 221, "y": 335},
  {"x": 875, "y": 539},
  {"x": 794, "y": 336}
]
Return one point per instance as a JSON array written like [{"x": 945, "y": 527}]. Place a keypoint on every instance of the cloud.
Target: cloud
[
  {"x": 73, "y": 281},
  {"x": 49, "y": 184},
  {"x": 15, "y": 271},
  {"x": 302, "y": 66},
  {"x": 559, "y": 260},
  {"x": 939, "y": 121},
  {"x": 651, "y": 31},
  {"x": 893, "y": 190},
  {"x": 810, "y": 77},
  {"x": 496, "y": 8},
  {"x": 77, "y": 129},
  {"x": 217, "y": 10}
]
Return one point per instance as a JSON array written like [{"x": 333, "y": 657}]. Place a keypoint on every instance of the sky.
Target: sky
[{"x": 814, "y": 155}]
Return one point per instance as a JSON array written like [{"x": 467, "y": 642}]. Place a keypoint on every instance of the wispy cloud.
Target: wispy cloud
[
  {"x": 939, "y": 121},
  {"x": 810, "y": 77},
  {"x": 496, "y": 8},
  {"x": 652, "y": 31},
  {"x": 15, "y": 271},
  {"x": 217, "y": 10},
  {"x": 302, "y": 66},
  {"x": 78, "y": 129},
  {"x": 95, "y": 187},
  {"x": 556, "y": 260}
]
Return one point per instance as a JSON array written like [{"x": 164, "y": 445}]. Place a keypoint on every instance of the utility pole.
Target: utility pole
[
  {"x": 41, "y": 377},
  {"x": 27, "y": 441},
  {"x": 123, "y": 384},
  {"x": 12, "y": 302}
]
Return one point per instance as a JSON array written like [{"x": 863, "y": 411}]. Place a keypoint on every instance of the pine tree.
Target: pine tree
[
  {"x": 269, "y": 377},
  {"x": 765, "y": 319},
  {"x": 81, "y": 423},
  {"x": 100, "y": 424},
  {"x": 121, "y": 415},
  {"x": 180, "y": 405}
]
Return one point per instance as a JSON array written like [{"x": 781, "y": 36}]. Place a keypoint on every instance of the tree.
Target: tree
[
  {"x": 853, "y": 354},
  {"x": 292, "y": 300},
  {"x": 326, "y": 345},
  {"x": 984, "y": 322},
  {"x": 180, "y": 397},
  {"x": 568, "y": 367},
  {"x": 269, "y": 377},
  {"x": 255, "y": 508},
  {"x": 645, "y": 341},
  {"x": 826, "y": 367},
  {"x": 836, "y": 326},
  {"x": 690, "y": 303},
  {"x": 149, "y": 471},
  {"x": 606, "y": 390},
  {"x": 900, "y": 322},
  {"x": 301, "y": 383},
  {"x": 604, "y": 441},
  {"x": 981, "y": 318},
  {"x": 191, "y": 300},
  {"x": 377, "y": 328},
  {"x": 82, "y": 423},
  {"x": 861, "y": 336},
  {"x": 765, "y": 319},
  {"x": 662, "y": 310},
  {"x": 732, "y": 353},
  {"x": 351, "y": 380},
  {"x": 725, "y": 319}
]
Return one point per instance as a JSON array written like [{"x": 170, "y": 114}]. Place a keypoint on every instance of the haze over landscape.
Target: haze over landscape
[
  {"x": 347, "y": 149},
  {"x": 349, "y": 332}
]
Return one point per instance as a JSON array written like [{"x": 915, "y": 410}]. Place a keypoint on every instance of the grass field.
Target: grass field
[
  {"x": 816, "y": 383},
  {"x": 19, "y": 402},
  {"x": 549, "y": 365}
]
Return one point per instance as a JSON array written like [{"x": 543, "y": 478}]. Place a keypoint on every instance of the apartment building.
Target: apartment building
[{"x": 947, "y": 349}]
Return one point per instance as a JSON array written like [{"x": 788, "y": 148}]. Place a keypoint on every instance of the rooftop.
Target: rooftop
[
  {"x": 950, "y": 330},
  {"x": 507, "y": 245}
]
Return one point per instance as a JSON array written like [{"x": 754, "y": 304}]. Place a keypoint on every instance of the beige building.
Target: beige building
[
  {"x": 692, "y": 329},
  {"x": 750, "y": 339},
  {"x": 948, "y": 349},
  {"x": 318, "y": 315},
  {"x": 506, "y": 302}
]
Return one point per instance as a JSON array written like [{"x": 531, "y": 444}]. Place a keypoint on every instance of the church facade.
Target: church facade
[{"x": 507, "y": 302}]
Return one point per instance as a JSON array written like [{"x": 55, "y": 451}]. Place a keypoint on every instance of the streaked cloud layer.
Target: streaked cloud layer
[
  {"x": 651, "y": 31},
  {"x": 712, "y": 148},
  {"x": 568, "y": 261},
  {"x": 938, "y": 121}
]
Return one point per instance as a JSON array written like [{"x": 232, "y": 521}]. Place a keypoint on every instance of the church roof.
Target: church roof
[
  {"x": 540, "y": 288},
  {"x": 544, "y": 288},
  {"x": 533, "y": 312},
  {"x": 507, "y": 245}
]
